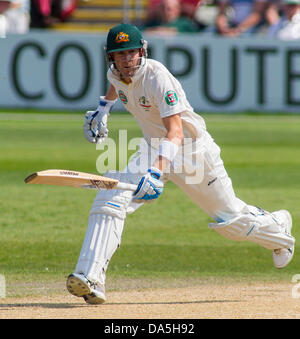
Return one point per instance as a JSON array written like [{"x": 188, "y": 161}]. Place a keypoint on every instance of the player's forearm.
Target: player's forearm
[
  {"x": 163, "y": 162},
  {"x": 171, "y": 143},
  {"x": 111, "y": 93}
]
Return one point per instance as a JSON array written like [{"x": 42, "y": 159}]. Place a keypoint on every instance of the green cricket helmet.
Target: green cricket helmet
[{"x": 124, "y": 37}]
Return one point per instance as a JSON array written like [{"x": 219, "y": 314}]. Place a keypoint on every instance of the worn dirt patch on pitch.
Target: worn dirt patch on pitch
[{"x": 240, "y": 300}]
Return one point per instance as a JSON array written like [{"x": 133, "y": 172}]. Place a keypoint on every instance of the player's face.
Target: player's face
[{"x": 127, "y": 62}]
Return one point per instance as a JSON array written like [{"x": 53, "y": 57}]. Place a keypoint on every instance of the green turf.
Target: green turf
[{"x": 42, "y": 227}]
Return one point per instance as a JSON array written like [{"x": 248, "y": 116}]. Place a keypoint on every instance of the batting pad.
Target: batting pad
[
  {"x": 103, "y": 237},
  {"x": 104, "y": 232},
  {"x": 261, "y": 229}
]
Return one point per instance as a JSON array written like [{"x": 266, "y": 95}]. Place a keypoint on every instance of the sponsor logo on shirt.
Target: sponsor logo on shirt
[
  {"x": 171, "y": 98},
  {"x": 144, "y": 103},
  {"x": 123, "y": 97}
]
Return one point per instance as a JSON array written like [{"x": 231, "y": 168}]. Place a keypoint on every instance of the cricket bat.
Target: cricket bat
[{"x": 60, "y": 177}]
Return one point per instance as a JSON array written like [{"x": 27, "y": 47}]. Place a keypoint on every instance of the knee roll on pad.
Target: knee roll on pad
[
  {"x": 114, "y": 202},
  {"x": 262, "y": 229}
]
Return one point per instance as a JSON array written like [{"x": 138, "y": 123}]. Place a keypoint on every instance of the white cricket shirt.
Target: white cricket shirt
[{"x": 154, "y": 94}]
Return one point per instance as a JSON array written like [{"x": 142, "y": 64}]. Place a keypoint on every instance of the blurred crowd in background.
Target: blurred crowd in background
[
  {"x": 230, "y": 18},
  {"x": 22, "y": 15}
]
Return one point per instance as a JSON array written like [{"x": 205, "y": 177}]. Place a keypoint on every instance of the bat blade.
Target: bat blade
[{"x": 76, "y": 179}]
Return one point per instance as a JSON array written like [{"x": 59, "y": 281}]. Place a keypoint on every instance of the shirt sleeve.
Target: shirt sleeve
[{"x": 168, "y": 94}]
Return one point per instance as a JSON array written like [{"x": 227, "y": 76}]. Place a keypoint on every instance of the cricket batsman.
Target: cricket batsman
[{"x": 159, "y": 104}]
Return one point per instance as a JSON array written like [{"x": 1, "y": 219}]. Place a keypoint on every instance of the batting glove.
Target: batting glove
[
  {"x": 95, "y": 124},
  {"x": 149, "y": 187}
]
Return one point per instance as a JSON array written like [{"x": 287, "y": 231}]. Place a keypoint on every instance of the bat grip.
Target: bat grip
[{"x": 126, "y": 186}]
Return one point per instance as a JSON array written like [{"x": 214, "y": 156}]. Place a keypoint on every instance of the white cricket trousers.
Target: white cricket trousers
[{"x": 199, "y": 172}]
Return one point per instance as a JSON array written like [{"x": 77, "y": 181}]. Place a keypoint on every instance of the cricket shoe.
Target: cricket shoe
[
  {"x": 80, "y": 286},
  {"x": 283, "y": 256}
]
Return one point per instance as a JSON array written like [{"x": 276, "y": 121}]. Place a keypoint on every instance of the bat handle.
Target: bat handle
[{"x": 126, "y": 186}]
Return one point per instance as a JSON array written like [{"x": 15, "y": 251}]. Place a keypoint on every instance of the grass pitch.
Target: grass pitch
[{"x": 42, "y": 227}]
